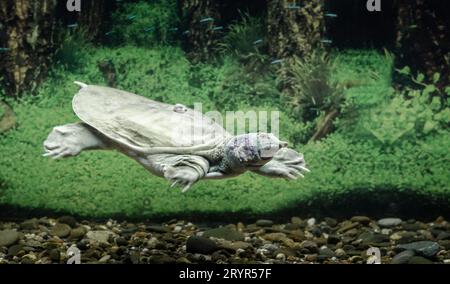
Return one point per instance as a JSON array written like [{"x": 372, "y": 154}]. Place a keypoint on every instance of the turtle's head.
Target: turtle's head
[{"x": 253, "y": 149}]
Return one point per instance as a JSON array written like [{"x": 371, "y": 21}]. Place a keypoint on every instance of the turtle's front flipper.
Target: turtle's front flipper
[
  {"x": 180, "y": 170},
  {"x": 286, "y": 163},
  {"x": 70, "y": 139}
]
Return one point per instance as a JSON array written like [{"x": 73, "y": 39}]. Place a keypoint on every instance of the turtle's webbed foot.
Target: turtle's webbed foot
[
  {"x": 286, "y": 163},
  {"x": 184, "y": 177}
]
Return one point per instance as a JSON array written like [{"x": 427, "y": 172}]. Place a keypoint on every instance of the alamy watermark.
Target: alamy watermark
[
  {"x": 373, "y": 5},
  {"x": 73, "y": 5},
  {"x": 202, "y": 128}
]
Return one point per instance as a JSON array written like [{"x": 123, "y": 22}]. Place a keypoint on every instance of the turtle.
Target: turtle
[{"x": 170, "y": 141}]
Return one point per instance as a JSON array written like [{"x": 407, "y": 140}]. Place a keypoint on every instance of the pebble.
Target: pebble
[
  {"x": 202, "y": 245},
  {"x": 68, "y": 220},
  {"x": 178, "y": 241},
  {"x": 389, "y": 222},
  {"x": 424, "y": 248},
  {"x": 225, "y": 233},
  {"x": 100, "y": 236},
  {"x": 8, "y": 237},
  {"x": 403, "y": 257},
  {"x": 60, "y": 230},
  {"x": 311, "y": 222},
  {"x": 419, "y": 260},
  {"x": 264, "y": 223},
  {"x": 361, "y": 219}
]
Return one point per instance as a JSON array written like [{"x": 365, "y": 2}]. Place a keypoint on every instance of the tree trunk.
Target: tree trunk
[
  {"x": 423, "y": 37},
  {"x": 94, "y": 15},
  {"x": 295, "y": 28},
  {"x": 201, "y": 28},
  {"x": 27, "y": 33}
]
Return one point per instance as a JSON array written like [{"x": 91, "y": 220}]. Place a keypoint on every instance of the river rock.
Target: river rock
[
  {"x": 8, "y": 237},
  {"x": 60, "y": 230},
  {"x": 196, "y": 244},
  {"x": 361, "y": 219},
  {"x": 225, "y": 233},
  {"x": 99, "y": 236},
  {"x": 264, "y": 223},
  {"x": 419, "y": 260},
  {"x": 403, "y": 257},
  {"x": 424, "y": 248},
  {"x": 68, "y": 220},
  {"x": 389, "y": 222}
]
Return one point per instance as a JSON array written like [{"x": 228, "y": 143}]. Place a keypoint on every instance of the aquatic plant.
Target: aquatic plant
[
  {"x": 73, "y": 49},
  {"x": 144, "y": 23},
  {"x": 246, "y": 40},
  {"x": 311, "y": 92}
]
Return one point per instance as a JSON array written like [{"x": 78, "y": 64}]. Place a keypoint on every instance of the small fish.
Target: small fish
[
  {"x": 131, "y": 17},
  {"x": 149, "y": 29},
  {"x": 72, "y": 25},
  {"x": 277, "y": 61},
  {"x": 186, "y": 32},
  {"x": 4, "y": 49},
  {"x": 218, "y": 28},
  {"x": 205, "y": 20},
  {"x": 173, "y": 29},
  {"x": 258, "y": 41},
  {"x": 331, "y": 15},
  {"x": 294, "y": 6},
  {"x": 327, "y": 41},
  {"x": 109, "y": 33}
]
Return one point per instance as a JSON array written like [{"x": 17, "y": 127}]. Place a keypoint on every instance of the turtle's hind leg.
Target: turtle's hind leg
[{"x": 70, "y": 139}]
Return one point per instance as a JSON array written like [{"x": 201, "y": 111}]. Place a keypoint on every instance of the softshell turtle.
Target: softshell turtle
[{"x": 170, "y": 141}]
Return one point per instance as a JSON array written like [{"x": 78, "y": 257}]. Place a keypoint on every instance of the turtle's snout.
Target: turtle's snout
[{"x": 283, "y": 144}]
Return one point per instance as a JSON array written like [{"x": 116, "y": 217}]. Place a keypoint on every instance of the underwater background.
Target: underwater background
[{"x": 364, "y": 95}]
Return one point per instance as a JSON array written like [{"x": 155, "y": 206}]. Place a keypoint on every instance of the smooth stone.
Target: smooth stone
[
  {"x": 347, "y": 227},
  {"x": 161, "y": 259},
  {"x": 296, "y": 220},
  {"x": 224, "y": 233},
  {"x": 121, "y": 241},
  {"x": 8, "y": 237},
  {"x": 55, "y": 255},
  {"x": 99, "y": 236},
  {"x": 14, "y": 250},
  {"x": 292, "y": 226},
  {"x": 311, "y": 222},
  {"x": 77, "y": 233},
  {"x": 195, "y": 244},
  {"x": 31, "y": 224},
  {"x": 264, "y": 223},
  {"x": 412, "y": 226},
  {"x": 361, "y": 219},
  {"x": 68, "y": 220},
  {"x": 403, "y": 257},
  {"x": 424, "y": 248},
  {"x": 60, "y": 230},
  {"x": 331, "y": 222},
  {"x": 327, "y": 252},
  {"x": 104, "y": 259},
  {"x": 157, "y": 229},
  {"x": 369, "y": 238},
  {"x": 443, "y": 236},
  {"x": 389, "y": 222},
  {"x": 419, "y": 260},
  {"x": 309, "y": 245},
  {"x": 340, "y": 253}
]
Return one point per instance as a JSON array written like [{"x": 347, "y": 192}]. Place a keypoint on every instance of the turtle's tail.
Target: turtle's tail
[{"x": 82, "y": 85}]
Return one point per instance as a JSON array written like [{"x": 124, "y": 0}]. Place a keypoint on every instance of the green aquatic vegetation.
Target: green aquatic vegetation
[
  {"x": 413, "y": 116},
  {"x": 145, "y": 23},
  {"x": 246, "y": 40},
  {"x": 73, "y": 49},
  {"x": 103, "y": 183}
]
